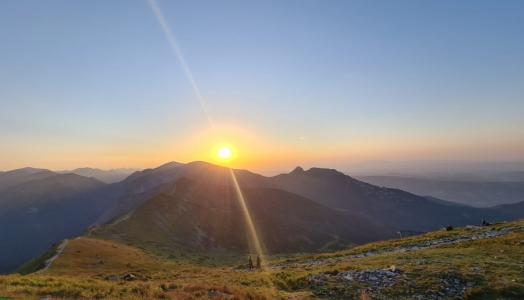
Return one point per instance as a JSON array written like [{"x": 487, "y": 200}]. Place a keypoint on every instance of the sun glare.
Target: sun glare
[{"x": 224, "y": 153}]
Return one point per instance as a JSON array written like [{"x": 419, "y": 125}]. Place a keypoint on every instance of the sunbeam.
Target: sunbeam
[
  {"x": 178, "y": 53},
  {"x": 224, "y": 153},
  {"x": 254, "y": 241}
]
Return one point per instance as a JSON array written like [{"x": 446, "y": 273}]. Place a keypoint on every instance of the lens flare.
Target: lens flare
[
  {"x": 178, "y": 53},
  {"x": 224, "y": 153},
  {"x": 254, "y": 241}
]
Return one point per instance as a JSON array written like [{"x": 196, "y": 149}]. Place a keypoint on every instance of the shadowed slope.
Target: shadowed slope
[
  {"x": 394, "y": 209},
  {"x": 391, "y": 207},
  {"x": 38, "y": 213},
  {"x": 474, "y": 193},
  {"x": 206, "y": 216}
]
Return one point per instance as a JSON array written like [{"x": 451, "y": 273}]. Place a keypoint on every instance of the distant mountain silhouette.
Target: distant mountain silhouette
[
  {"x": 36, "y": 213},
  {"x": 513, "y": 211},
  {"x": 391, "y": 207},
  {"x": 107, "y": 176},
  {"x": 18, "y": 176},
  {"x": 474, "y": 193}
]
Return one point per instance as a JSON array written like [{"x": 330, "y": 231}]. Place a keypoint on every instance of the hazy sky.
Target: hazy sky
[{"x": 96, "y": 83}]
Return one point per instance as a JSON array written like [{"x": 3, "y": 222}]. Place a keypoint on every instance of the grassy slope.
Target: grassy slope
[
  {"x": 37, "y": 263},
  {"x": 91, "y": 268},
  {"x": 494, "y": 268}
]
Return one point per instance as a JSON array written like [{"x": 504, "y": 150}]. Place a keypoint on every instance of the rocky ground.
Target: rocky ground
[
  {"x": 446, "y": 241},
  {"x": 421, "y": 275}
]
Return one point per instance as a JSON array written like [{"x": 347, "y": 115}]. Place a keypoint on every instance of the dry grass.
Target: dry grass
[{"x": 93, "y": 269}]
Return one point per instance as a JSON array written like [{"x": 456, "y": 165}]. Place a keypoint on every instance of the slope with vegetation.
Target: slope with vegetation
[
  {"x": 304, "y": 210},
  {"x": 472, "y": 263},
  {"x": 209, "y": 217}
]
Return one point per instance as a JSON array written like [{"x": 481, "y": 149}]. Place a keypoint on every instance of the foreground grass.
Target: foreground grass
[
  {"x": 488, "y": 269},
  {"x": 95, "y": 269},
  {"x": 92, "y": 268}
]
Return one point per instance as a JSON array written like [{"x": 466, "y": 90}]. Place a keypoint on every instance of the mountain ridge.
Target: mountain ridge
[
  {"x": 199, "y": 214},
  {"x": 342, "y": 197},
  {"x": 473, "y": 193}
]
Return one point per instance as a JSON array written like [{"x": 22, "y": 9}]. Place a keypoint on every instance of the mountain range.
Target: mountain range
[
  {"x": 107, "y": 176},
  {"x": 195, "y": 207},
  {"x": 473, "y": 192}
]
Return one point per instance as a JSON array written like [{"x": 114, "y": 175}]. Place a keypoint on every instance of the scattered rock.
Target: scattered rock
[
  {"x": 373, "y": 280},
  {"x": 129, "y": 277},
  {"x": 409, "y": 248},
  {"x": 452, "y": 287}
]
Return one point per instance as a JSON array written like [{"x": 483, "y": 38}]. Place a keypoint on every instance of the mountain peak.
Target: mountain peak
[
  {"x": 169, "y": 165},
  {"x": 297, "y": 170},
  {"x": 325, "y": 172},
  {"x": 26, "y": 171}
]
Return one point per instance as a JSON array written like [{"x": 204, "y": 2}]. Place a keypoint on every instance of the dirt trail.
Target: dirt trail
[{"x": 59, "y": 251}]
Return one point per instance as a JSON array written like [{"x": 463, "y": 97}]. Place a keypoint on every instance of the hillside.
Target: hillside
[
  {"x": 474, "y": 193},
  {"x": 471, "y": 263},
  {"x": 515, "y": 211},
  {"x": 208, "y": 217},
  {"x": 390, "y": 208},
  {"x": 37, "y": 213},
  {"x": 19, "y": 176},
  {"x": 107, "y": 176},
  {"x": 393, "y": 208},
  {"x": 315, "y": 209}
]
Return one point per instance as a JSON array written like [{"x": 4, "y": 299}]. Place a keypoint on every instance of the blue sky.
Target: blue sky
[{"x": 96, "y": 82}]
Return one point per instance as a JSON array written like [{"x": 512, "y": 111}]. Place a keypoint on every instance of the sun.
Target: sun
[{"x": 224, "y": 153}]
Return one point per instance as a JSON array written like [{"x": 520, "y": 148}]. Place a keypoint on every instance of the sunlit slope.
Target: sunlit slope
[
  {"x": 86, "y": 255},
  {"x": 471, "y": 263},
  {"x": 197, "y": 215},
  {"x": 91, "y": 268}
]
